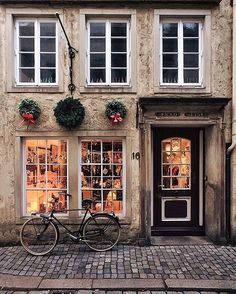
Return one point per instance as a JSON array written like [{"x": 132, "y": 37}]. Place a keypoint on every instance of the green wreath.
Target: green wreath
[
  {"x": 29, "y": 110},
  {"x": 69, "y": 113},
  {"x": 115, "y": 111}
]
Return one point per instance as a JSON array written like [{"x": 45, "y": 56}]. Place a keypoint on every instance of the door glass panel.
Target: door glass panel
[{"x": 176, "y": 163}]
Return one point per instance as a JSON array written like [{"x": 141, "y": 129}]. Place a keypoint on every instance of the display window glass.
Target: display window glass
[
  {"x": 45, "y": 169},
  {"x": 102, "y": 174}
]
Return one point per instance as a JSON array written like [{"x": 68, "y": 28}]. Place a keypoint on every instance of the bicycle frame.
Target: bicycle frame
[{"x": 51, "y": 216}]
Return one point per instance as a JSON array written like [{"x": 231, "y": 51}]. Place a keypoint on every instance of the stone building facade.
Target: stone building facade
[{"x": 164, "y": 169}]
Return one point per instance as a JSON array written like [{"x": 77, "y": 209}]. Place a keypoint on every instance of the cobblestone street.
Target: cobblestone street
[
  {"x": 188, "y": 269},
  {"x": 131, "y": 262}
]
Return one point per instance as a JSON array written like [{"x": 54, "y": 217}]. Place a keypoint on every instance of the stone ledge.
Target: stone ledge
[
  {"x": 190, "y": 284},
  {"x": 19, "y": 282}
]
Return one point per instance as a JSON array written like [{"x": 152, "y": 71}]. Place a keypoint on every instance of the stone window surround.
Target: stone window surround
[
  {"x": 11, "y": 15},
  {"x": 107, "y": 13},
  {"x": 73, "y": 156},
  {"x": 206, "y": 73}
]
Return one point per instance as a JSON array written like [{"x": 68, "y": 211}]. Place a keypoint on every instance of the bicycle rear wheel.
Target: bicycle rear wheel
[
  {"x": 39, "y": 236},
  {"x": 101, "y": 232}
]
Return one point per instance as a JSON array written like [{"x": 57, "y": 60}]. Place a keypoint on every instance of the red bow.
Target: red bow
[
  {"x": 116, "y": 118},
  {"x": 29, "y": 118}
]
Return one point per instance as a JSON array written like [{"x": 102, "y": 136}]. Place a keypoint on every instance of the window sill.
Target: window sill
[
  {"x": 124, "y": 220},
  {"x": 107, "y": 89},
  {"x": 181, "y": 89},
  {"x": 35, "y": 89}
]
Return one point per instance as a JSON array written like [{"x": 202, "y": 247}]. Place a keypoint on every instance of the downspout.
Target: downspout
[{"x": 229, "y": 151}]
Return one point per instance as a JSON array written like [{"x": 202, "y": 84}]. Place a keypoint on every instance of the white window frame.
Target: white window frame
[
  {"x": 124, "y": 165},
  {"x": 180, "y": 51},
  {"x": 36, "y": 22},
  {"x": 186, "y": 14},
  {"x": 24, "y": 177},
  {"x": 108, "y": 51}
]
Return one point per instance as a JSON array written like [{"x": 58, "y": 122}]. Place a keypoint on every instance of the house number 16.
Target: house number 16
[{"x": 136, "y": 155}]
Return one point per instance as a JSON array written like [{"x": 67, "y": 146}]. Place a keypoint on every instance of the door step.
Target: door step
[{"x": 179, "y": 240}]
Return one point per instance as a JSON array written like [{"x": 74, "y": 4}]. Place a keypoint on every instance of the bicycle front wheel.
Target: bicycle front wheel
[
  {"x": 39, "y": 236},
  {"x": 101, "y": 232}
]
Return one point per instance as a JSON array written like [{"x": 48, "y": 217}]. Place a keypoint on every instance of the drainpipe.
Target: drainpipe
[{"x": 229, "y": 168}]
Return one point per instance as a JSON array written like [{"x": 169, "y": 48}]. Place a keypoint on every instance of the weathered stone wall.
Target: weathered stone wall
[{"x": 94, "y": 104}]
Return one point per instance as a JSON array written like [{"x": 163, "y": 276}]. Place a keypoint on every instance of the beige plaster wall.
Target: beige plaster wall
[{"x": 94, "y": 104}]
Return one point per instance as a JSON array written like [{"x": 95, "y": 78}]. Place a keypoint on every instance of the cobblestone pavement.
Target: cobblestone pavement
[
  {"x": 109, "y": 292},
  {"x": 125, "y": 261}
]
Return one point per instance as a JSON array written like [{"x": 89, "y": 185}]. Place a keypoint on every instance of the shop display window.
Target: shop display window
[
  {"x": 45, "y": 174},
  {"x": 176, "y": 163},
  {"x": 102, "y": 174}
]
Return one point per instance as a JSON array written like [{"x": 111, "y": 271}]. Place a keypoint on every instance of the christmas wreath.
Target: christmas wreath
[
  {"x": 69, "y": 113},
  {"x": 29, "y": 110},
  {"x": 115, "y": 111}
]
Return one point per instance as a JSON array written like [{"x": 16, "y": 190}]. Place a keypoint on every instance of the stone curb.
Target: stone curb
[{"x": 36, "y": 283}]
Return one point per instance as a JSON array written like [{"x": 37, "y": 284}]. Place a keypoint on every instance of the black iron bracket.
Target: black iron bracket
[{"x": 71, "y": 51}]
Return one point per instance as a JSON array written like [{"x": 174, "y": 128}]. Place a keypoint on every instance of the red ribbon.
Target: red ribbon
[
  {"x": 29, "y": 118},
  {"x": 116, "y": 118}
]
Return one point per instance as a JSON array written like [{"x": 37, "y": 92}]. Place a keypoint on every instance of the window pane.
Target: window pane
[
  {"x": 47, "y": 60},
  {"x": 118, "y": 76},
  {"x": 176, "y": 209},
  {"x": 47, "y": 75},
  {"x": 26, "y": 60},
  {"x": 191, "y": 76},
  {"x": 170, "y": 29},
  {"x": 190, "y": 60},
  {"x": 36, "y": 201},
  {"x": 170, "y": 60},
  {"x": 97, "y": 29},
  {"x": 190, "y": 29},
  {"x": 118, "y": 45},
  {"x": 191, "y": 45},
  {"x": 97, "y": 45},
  {"x": 47, "y": 29},
  {"x": 170, "y": 45},
  {"x": 26, "y": 44},
  {"x": 118, "y": 29},
  {"x": 97, "y": 60},
  {"x": 26, "y": 29},
  {"x": 47, "y": 45},
  {"x": 170, "y": 76},
  {"x": 118, "y": 60},
  {"x": 26, "y": 76},
  {"x": 97, "y": 75}
]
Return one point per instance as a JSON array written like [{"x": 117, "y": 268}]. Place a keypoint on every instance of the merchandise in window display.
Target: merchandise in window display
[{"x": 103, "y": 178}]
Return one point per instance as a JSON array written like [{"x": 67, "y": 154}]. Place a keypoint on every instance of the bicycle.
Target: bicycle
[{"x": 100, "y": 231}]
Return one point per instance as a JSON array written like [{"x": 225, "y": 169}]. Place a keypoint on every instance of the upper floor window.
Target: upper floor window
[
  {"x": 108, "y": 52},
  {"x": 181, "y": 52},
  {"x": 36, "y": 52}
]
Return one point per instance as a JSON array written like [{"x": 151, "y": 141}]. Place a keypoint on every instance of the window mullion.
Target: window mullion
[
  {"x": 180, "y": 54},
  {"x": 37, "y": 52},
  {"x": 161, "y": 54},
  {"x": 108, "y": 52},
  {"x": 88, "y": 52}
]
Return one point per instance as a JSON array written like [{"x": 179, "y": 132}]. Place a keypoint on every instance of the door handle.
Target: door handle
[{"x": 161, "y": 186}]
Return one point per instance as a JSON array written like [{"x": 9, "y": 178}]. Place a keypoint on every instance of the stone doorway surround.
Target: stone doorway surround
[{"x": 201, "y": 112}]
